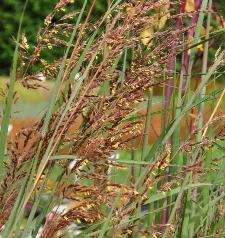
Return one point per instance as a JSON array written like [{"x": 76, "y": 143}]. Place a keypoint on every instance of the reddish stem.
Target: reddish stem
[
  {"x": 191, "y": 33},
  {"x": 171, "y": 64},
  {"x": 168, "y": 87}
]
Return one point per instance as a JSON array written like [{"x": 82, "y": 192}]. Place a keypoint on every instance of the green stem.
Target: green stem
[
  {"x": 10, "y": 96},
  {"x": 147, "y": 125}
]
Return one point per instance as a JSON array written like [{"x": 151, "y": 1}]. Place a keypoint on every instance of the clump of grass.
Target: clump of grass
[{"x": 103, "y": 74}]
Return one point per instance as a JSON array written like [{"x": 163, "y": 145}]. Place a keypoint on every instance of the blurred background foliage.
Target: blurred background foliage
[
  {"x": 37, "y": 10},
  {"x": 10, "y": 12}
]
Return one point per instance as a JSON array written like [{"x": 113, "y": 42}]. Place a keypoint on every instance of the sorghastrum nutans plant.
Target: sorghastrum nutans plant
[{"x": 94, "y": 63}]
